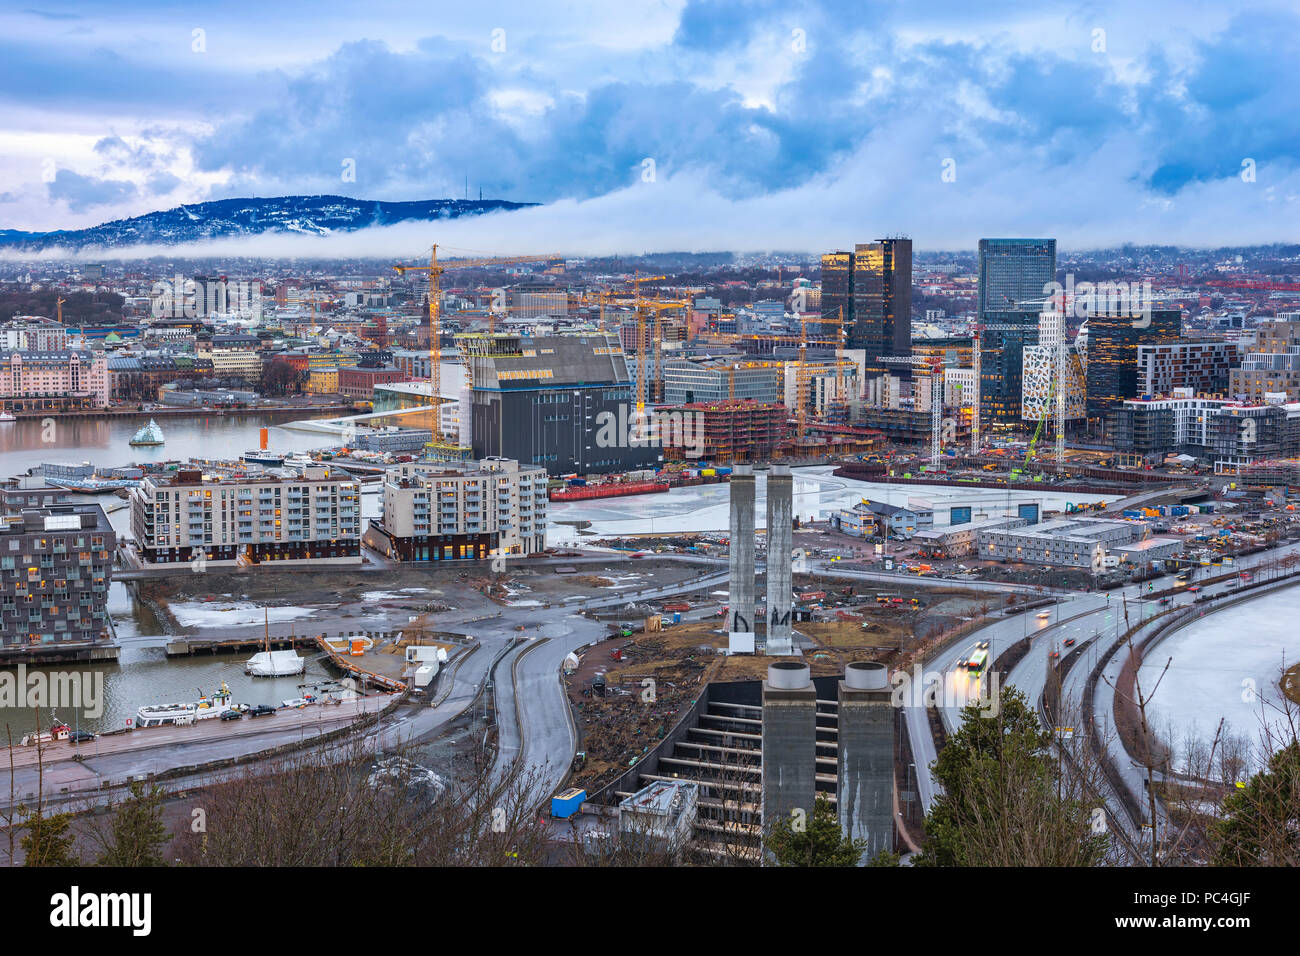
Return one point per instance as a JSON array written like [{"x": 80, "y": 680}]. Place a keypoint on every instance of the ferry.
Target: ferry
[
  {"x": 151, "y": 434},
  {"x": 182, "y": 714},
  {"x": 263, "y": 457}
]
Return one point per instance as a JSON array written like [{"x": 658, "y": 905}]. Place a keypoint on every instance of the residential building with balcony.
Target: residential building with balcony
[
  {"x": 56, "y": 562},
  {"x": 247, "y": 520},
  {"x": 441, "y": 511}
]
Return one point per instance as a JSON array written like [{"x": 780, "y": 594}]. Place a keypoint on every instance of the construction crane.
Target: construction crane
[
  {"x": 1259, "y": 285},
  {"x": 640, "y": 339},
  {"x": 435, "y": 271},
  {"x": 933, "y": 365},
  {"x": 801, "y": 384}
]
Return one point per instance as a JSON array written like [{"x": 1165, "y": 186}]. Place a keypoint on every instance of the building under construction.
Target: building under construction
[
  {"x": 912, "y": 427},
  {"x": 733, "y": 430}
]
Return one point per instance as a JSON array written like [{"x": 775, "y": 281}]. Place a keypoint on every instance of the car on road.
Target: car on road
[
  {"x": 233, "y": 715},
  {"x": 80, "y": 736},
  {"x": 1166, "y": 600},
  {"x": 1193, "y": 589},
  {"x": 1068, "y": 642},
  {"x": 261, "y": 710}
]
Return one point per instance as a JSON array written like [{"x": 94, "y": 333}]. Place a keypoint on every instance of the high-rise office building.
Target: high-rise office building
[
  {"x": 837, "y": 289},
  {"x": 1015, "y": 271},
  {"x": 870, "y": 291},
  {"x": 1002, "y": 343},
  {"x": 1113, "y": 340},
  {"x": 882, "y": 299}
]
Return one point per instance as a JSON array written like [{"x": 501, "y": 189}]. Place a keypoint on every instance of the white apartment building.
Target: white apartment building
[
  {"x": 248, "y": 520},
  {"x": 441, "y": 511}
]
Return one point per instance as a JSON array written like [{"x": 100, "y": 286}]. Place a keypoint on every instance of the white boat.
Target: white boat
[
  {"x": 299, "y": 701},
  {"x": 151, "y": 434},
  {"x": 6, "y": 417},
  {"x": 274, "y": 664},
  {"x": 269, "y": 663},
  {"x": 181, "y": 714}
]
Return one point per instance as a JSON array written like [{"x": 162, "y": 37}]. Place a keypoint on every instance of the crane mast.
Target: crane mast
[{"x": 435, "y": 271}]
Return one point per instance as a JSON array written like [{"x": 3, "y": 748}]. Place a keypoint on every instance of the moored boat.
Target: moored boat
[{"x": 181, "y": 714}]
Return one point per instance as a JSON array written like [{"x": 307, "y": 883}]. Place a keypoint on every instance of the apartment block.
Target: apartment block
[
  {"x": 247, "y": 520},
  {"x": 440, "y": 511},
  {"x": 1231, "y": 434},
  {"x": 56, "y": 562},
  {"x": 1204, "y": 367},
  {"x": 33, "y": 333}
]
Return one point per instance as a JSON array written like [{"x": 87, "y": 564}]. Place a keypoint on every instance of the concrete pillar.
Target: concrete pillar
[
  {"x": 741, "y": 586},
  {"x": 789, "y": 741},
  {"x": 780, "y": 573},
  {"x": 866, "y": 757}
]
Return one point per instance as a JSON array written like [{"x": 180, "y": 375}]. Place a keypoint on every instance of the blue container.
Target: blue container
[{"x": 568, "y": 803}]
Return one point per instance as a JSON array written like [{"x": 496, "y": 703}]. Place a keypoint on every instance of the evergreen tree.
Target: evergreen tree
[
  {"x": 1003, "y": 803},
  {"x": 138, "y": 831},
  {"x": 47, "y": 841},
  {"x": 1260, "y": 822},
  {"x": 818, "y": 842}
]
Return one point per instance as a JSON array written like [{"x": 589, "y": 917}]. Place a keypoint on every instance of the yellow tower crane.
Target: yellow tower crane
[{"x": 435, "y": 269}]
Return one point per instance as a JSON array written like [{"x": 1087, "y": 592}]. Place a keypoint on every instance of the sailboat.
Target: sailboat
[
  {"x": 151, "y": 434},
  {"x": 269, "y": 663}
]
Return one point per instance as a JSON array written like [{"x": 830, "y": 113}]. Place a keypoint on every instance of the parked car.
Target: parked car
[
  {"x": 233, "y": 715},
  {"x": 80, "y": 736},
  {"x": 260, "y": 710}
]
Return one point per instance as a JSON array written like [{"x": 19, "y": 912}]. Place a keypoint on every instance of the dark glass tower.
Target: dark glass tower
[
  {"x": 837, "y": 289},
  {"x": 1014, "y": 272},
  {"x": 1002, "y": 345},
  {"x": 882, "y": 299},
  {"x": 1113, "y": 340}
]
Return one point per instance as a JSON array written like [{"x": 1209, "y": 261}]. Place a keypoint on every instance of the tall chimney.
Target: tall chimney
[
  {"x": 866, "y": 757},
  {"x": 789, "y": 742},
  {"x": 741, "y": 587},
  {"x": 780, "y": 571}
]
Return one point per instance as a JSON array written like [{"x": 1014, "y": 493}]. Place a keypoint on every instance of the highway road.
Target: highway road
[{"x": 1086, "y": 617}]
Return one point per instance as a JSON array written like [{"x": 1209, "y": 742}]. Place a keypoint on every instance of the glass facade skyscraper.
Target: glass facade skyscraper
[
  {"x": 1113, "y": 340},
  {"x": 1002, "y": 365},
  {"x": 870, "y": 291},
  {"x": 1014, "y": 272}
]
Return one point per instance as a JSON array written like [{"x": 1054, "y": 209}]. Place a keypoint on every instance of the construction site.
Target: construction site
[{"x": 630, "y": 689}]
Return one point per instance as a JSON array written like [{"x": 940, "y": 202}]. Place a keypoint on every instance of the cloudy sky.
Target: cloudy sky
[{"x": 648, "y": 125}]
